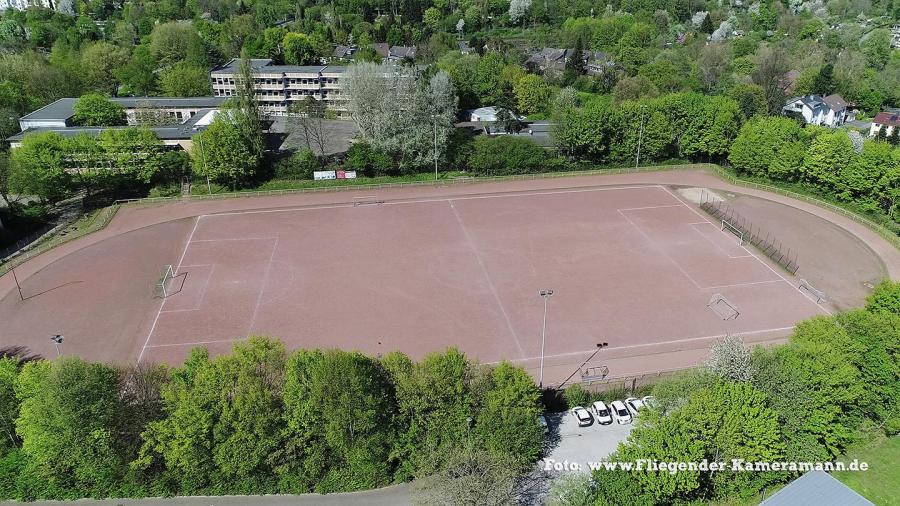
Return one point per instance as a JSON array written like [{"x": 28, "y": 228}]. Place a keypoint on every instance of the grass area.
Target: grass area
[
  {"x": 84, "y": 225},
  {"x": 199, "y": 187},
  {"x": 881, "y": 483}
]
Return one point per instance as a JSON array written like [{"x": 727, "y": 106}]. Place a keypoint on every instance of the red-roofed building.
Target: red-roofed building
[{"x": 888, "y": 120}]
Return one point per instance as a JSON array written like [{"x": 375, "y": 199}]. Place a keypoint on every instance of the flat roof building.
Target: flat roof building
[
  {"x": 170, "y": 110},
  {"x": 279, "y": 86}
]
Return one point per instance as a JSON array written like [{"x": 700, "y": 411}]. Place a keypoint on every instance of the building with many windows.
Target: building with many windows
[{"x": 278, "y": 86}]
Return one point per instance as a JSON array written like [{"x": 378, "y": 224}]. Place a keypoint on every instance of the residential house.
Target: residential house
[
  {"x": 394, "y": 53},
  {"x": 554, "y": 60},
  {"x": 830, "y": 111},
  {"x": 889, "y": 120},
  {"x": 344, "y": 53}
]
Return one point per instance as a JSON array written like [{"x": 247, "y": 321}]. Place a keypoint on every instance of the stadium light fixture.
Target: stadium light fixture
[
  {"x": 545, "y": 294},
  {"x": 57, "y": 340}
]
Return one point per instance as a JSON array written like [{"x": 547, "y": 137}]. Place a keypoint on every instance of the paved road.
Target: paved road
[{"x": 398, "y": 495}]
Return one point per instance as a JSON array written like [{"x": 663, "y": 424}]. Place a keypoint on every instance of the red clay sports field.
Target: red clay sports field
[{"x": 634, "y": 265}]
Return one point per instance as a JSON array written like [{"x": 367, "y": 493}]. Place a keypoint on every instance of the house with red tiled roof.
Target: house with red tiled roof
[{"x": 889, "y": 120}]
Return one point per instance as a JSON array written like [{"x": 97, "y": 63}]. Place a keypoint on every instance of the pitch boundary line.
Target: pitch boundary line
[
  {"x": 659, "y": 248},
  {"x": 426, "y": 200},
  {"x": 199, "y": 304},
  {"x": 487, "y": 277},
  {"x": 805, "y": 296},
  {"x": 262, "y": 289},
  {"x": 196, "y": 343},
  {"x": 647, "y": 345},
  {"x": 161, "y": 306}
]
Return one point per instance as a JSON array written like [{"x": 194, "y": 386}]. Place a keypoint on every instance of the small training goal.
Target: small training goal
[
  {"x": 818, "y": 294},
  {"x": 722, "y": 307},
  {"x": 161, "y": 290}
]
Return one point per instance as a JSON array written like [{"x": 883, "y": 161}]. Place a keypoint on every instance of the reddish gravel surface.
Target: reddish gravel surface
[{"x": 433, "y": 266}]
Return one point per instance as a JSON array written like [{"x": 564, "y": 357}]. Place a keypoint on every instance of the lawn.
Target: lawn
[{"x": 881, "y": 483}]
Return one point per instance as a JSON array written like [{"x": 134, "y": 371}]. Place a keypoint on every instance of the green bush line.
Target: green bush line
[
  {"x": 85, "y": 225},
  {"x": 259, "y": 420}
]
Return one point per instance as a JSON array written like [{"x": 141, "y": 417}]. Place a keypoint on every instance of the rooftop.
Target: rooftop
[
  {"x": 265, "y": 66},
  {"x": 816, "y": 488},
  {"x": 63, "y": 108}
]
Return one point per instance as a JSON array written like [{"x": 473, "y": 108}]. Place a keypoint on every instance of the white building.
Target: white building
[
  {"x": 830, "y": 111},
  {"x": 278, "y": 86},
  {"x": 889, "y": 120}
]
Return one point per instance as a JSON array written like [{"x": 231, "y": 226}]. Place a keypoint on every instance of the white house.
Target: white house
[
  {"x": 830, "y": 111},
  {"x": 889, "y": 120},
  {"x": 485, "y": 114}
]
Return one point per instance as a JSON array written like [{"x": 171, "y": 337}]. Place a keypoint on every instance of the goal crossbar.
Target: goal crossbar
[
  {"x": 726, "y": 225},
  {"x": 167, "y": 274}
]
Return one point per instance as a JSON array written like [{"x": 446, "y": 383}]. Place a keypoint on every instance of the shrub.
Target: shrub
[{"x": 299, "y": 165}]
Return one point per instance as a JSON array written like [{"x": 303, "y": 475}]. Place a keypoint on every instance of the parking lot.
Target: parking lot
[{"x": 567, "y": 442}]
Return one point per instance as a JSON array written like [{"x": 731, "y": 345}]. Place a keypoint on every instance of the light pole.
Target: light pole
[
  {"x": 434, "y": 120},
  {"x": 637, "y": 159},
  {"x": 57, "y": 340},
  {"x": 545, "y": 294}
]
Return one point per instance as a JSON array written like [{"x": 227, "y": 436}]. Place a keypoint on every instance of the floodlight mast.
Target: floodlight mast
[{"x": 545, "y": 294}]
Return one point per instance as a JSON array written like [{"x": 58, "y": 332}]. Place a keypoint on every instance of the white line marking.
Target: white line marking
[
  {"x": 717, "y": 246},
  {"x": 805, "y": 296},
  {"x": 742, "y": 284},
  {"x": 199, "y": 304},
  {"x": 262, "y": 289},
  {"x": 648, "y": 207},
  {"x": 487, "y": 277},
  {"x": 660, "y": 249},
  {"x": 196, "y": 343},
  {"x": 647, "y": 345},
  {"x": 439, "y": 199},
  {"x": 161, "y": 306},
  {"x": 237, "y": 239}
]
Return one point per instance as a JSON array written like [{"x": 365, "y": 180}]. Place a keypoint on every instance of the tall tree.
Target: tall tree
[{"x": 94, "y": 109}]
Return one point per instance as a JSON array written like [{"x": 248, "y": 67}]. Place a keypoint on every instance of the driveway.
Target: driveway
[{"x": 580, "y": 445}]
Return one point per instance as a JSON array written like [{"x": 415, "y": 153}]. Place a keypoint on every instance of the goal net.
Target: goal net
[
  {"x": 815, "y": 292},
  {"x": 726, "y": 226},
  {"x": 161, "y": 290},
  {"x": 722, "y": 307}
]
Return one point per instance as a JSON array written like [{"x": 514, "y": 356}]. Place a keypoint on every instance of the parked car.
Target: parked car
[
  {"x": 649, "y": 401},
  {"x": 583, "y": 416},
  {"x": 604, "y": 417},
  {"x": 634, "y": 405},
  {"x": 620, "y": 412}
]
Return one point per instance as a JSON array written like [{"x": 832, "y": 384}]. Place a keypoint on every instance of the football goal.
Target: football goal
[
  {"x": 161, "y": 290},
  {"x": 726, "y": 226},
  {"x": 722, "y": 307}
]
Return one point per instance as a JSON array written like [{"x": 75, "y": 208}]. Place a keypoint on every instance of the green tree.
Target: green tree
[
  {"x": 100, "y": 62},
  {"x": 505, "y": 155},
  {"x": 299, "y": 49},
  {"x": 94, "y": 109},
  {"x": 706, "y": 25},
  {"x": 222, "y": 421},
  {"x": 507, "y": 420},
  {"x": 138, "y": 75},
  {"x": 532, "y": 94},
  {"x": 885, "y": 297},
  {"x": 762, "y": 142},
  {"x": 877, "y": 48},
  {"x": 823, "y": 84},
  {"x": 338, "y": 409},
  {"x": 222, "y": 154},
  {"x": 185, "y": 80},
  {"x": 38, "y": 167},
  {"x": 9, "y": 404},
  {"x": 69, "y": 425},
  {"x": 825, "y": 160},
  {"x": 177, "y": 41}
]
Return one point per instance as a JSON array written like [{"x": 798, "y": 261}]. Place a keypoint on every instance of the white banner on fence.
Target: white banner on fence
[
  {"x": 346, "y": 174},
  {"x": 324, "y": 174}
]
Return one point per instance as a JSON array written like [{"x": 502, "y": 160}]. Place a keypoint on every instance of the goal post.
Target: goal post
[
  {"x": 166, "y": 274},
  {"x": 727, "y": 226}
]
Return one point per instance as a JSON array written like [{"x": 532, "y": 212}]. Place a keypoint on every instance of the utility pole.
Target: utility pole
[
  {"x": 434, "y": 118},
  {"x": 545, "y": 294},
  {"x": 16, "y": 278},
  {"x": 637, "y": 160}
]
